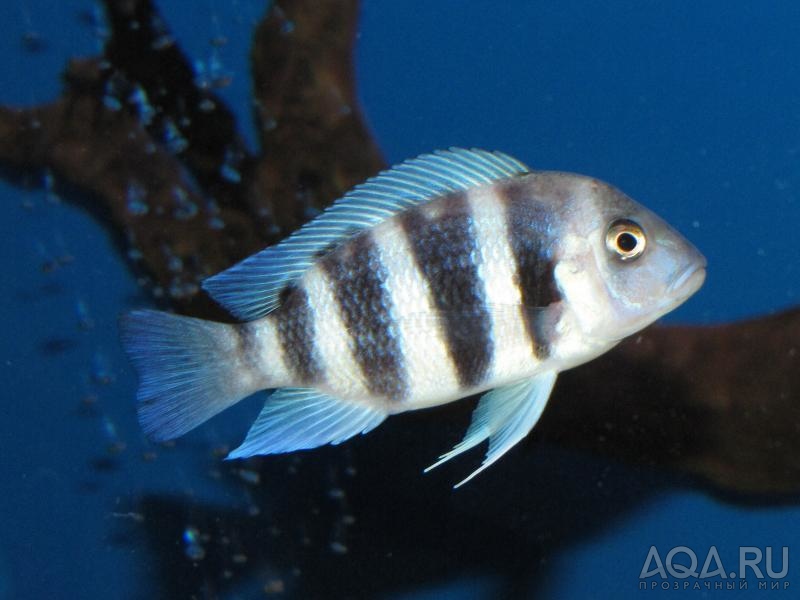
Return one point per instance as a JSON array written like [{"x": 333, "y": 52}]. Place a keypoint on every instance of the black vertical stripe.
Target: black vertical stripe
[
  {"x": 442, "y": 239},
  {"x": 296, "y": 337},
  {"x": 247, "y": 344},
  {"x": 358, "y": 279},
  {"x": 530, "y": 229}
]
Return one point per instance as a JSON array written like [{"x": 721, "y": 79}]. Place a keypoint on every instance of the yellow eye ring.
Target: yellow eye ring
[{"x": 625, "y": 239}]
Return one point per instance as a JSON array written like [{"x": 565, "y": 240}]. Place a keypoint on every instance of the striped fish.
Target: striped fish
[{"x": 448, "y": 275}]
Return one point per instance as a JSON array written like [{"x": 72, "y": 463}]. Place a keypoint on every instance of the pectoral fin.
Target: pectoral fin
[{"x": 504, "y": 415}]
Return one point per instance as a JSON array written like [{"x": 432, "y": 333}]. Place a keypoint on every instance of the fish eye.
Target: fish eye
[{"x": 625, "y": 239}]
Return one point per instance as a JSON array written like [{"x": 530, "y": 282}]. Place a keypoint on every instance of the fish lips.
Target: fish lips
[{"x": 687, "y": 281}]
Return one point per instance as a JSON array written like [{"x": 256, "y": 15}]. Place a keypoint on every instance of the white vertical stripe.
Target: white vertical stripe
[
  {"x": 342, "y": 374},
  {"x": 584, "y": 293},
  {"x": 271, "y": 360},
  {"x": 431, "y": 375},
  {"x": 513, "y": 355}
]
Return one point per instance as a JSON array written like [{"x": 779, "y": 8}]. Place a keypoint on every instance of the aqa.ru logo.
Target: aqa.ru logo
[{"x": 681, "y": 563}]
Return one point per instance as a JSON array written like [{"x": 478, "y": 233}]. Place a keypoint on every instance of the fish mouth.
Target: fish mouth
[{"x": 687, "y": 281}]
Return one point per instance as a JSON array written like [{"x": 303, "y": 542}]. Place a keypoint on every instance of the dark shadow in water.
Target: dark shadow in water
[
  {"x": 411, "y": 530},
  {"x": 406, "y": 530},
  {"x": 56, "y": 346}
]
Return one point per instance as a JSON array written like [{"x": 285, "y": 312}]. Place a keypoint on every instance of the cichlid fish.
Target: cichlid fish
[{"x": 448, "y": 275}]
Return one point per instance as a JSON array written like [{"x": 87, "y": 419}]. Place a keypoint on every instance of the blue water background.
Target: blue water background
[{"x": 692, "y": 108}]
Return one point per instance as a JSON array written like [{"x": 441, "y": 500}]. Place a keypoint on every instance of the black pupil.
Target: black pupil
[{"x": 627, "y": 242}]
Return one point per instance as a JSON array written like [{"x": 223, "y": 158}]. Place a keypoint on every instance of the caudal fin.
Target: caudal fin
[{"x": 187, "y": 370}]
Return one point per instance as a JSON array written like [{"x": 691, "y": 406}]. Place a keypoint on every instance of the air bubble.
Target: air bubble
[
  {"x": 338, "y": 548},
  {"x": 173, "y": 138},
  {"x": 207, "y": 105},
  {"x": 138, "y": 98},
  {"x": 162, "y": 42},
  {"x": 249, "y": 476},
  {"x": 274, "y": 586},
  {"x": 135, "y": 254},
  {"x": 85, "y": 321},
  {"x": 112, "y": 103},
  {"x": 101, "y": 374},
  {"x": 230, "y": 174},
  {"x": 135, "y": 200},
  {"x": 185, "y": 209},
  {"x": 336, "y": 494},
  {"x": 194, "y": 549},
  {"x": 174, "y": 263}
]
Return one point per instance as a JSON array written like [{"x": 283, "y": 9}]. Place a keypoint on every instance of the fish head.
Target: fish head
[{"x": 620, "y": 265}]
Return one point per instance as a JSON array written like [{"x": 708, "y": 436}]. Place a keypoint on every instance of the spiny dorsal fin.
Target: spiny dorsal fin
[{"x": 251, "y": 288}]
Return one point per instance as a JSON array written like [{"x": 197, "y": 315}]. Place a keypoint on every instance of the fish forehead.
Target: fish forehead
[{"x": 570, "y": 198}]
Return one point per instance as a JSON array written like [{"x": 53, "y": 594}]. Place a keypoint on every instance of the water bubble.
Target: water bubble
[
  {"x": 139, "y": 100},
  {"x": 173, "y": 139},
  {"x": 211, "y": 74},
  {"x": 228, "y": 173},
  {"x": 269, "y": 123},
  {"x": 185, "y": 209},
  {"x": 111, "y": 103},
  {"x": 116, "y": 447},
  {"x": 250, "y": 476},
  {"x": 336, "y": 494},
  {"x": 49, "y": 184},
  {"x": 162, "y": 42},
  {"x": 101, "y": 373},
  {"x": 109, "y": 428},
  {"x": 135, "y": 254},
  {"x": 216, "y": 223},
  {"x": 135, "y": 196},
  {"x": 133, "y": 516},
  {"x": 274, "y": 586},
  {"x": 193, "y": 548},
  {"x": 85, "y": 320},
  {"x": 207, "y": 105},
  {"x": 338, "y": 548},
  {"x": 174, "y": 263}
]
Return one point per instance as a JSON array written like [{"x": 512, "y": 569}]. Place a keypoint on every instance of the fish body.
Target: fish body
[{"x": 449, "y": 275}]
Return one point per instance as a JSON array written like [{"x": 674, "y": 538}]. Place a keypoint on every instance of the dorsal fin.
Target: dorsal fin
[{"x": 251, "y": 288}]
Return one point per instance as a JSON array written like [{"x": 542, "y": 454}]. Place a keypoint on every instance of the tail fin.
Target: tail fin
[{"x": 187, "y": 370}]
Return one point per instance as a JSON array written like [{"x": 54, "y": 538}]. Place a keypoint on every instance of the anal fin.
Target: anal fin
[
  {"x": 301, "y": 418},
  {"x": 504, "y": 416}
]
